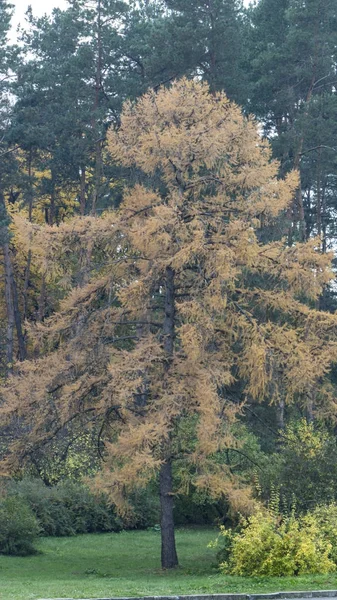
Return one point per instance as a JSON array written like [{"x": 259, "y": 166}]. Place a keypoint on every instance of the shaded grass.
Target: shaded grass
[{"x": 128, "y": 564}]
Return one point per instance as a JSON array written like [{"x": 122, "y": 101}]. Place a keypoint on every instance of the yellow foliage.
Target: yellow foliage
[
  {"x": 176, "y": 298},
  {"x": 270, "y": 545}
]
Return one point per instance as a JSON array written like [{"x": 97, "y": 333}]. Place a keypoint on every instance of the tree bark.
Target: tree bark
[
  {"x": 11, "y": 297},
  {"x": 30, "y": 192},
  {"x": 169, "y": 558},
  {"x": 9, "y": 309},
  {"x": 297, "y": 166},
  {"x": 22, "y": 353},
  {"x": 324, "y": 219},
  {"x": 98, "y": 89},
  {"x": 30, "y": 199},
  {"x": 52, "y": 209},
  {"x": 280, "y": 414},
  {"x": 42, "y": 300},
  {"x": 83, "y": 192},
  {"x": 310, "y": 406},
  {"x": 168, "y": 326},
  {"x": 26, "y": 285}
]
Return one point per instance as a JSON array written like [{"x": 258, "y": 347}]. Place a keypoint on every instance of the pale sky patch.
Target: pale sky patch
[{"x": 40, "y": 7}]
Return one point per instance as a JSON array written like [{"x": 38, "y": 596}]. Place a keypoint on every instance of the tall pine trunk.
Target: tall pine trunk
[
  {"x": 83, "y": 191},
  {"x": 9, "y": 309},
  {"x": 96, "y": 127},
  {"x": 11, "y": 295},
  {"x": 169, "y": 558}
]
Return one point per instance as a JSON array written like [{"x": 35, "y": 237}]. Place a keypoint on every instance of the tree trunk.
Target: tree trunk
[
  {"x": 9, "y": 309},
  {"x": 310, "y": 406},
  {"x": 324, "y": 219},
  {"x": 26, "y": 285},
  {"x": 22, "y": 353},
  {"x": 97, "y": 177},
  {"x": 30, "y": 199},
  {"x": 297, "y": 166},
  {"x": 13, "y": 311},
  {"x": 319, "y": 203},
  {"x": 169, "y": 558},
  {"x": 298, "y": 197},
  {"x": 52, "y": 209},
  {"x": 280, "y": 414},
  {"x": 42, "y": 300},
  {"x": 30, "y": 190},
  {"x": 168, "y": 326},
  {"x": 83, "y": 192},
  {"x": 11, "y": 296},
  {"x": 96, "y": 128}
]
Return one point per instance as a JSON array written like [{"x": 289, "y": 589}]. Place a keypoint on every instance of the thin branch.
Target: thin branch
[
  {"x": 9, "y": 151},
  {"x": 318, "y": 148},
  {"x": 246, "y": 456}
]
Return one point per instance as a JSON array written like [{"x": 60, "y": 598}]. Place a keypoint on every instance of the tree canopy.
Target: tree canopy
[{"x": 179, "y": 302}]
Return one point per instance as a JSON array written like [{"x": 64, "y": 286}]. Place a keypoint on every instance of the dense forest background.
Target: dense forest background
[{"x": 61, "y": 88}]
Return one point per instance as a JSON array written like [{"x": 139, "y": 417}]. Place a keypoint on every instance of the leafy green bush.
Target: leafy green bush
[
  {"x": 70, "y": 507},
  {"x": 326, "y": 518},
  {"x": 18, "y": 527},
  {"x": 89, "y": 512},
  {"x": 67, "y": 508},
  {"x": 145, "y": 503},
  {"x": 267, "y": 544},
  {"x": 198, "y": 509},
  {"x": 304, "y": 466}
]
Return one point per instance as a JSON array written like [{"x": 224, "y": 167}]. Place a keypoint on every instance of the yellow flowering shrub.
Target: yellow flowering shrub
[{"x": 269, "y": 544}]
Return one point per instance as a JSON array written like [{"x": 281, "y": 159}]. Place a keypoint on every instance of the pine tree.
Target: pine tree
[
  {"x": 292, "y": 51},
  {"x": 182, "y": 303},
  {"x": 210, "y": 34},
  {"x": 14, "y": 340}
]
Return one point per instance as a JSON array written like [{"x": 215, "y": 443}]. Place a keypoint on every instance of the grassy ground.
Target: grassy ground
[{"x": 127, "y": 564}]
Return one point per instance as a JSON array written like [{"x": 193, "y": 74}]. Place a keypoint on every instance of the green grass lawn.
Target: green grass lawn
[{"x": 128, "y": 564}]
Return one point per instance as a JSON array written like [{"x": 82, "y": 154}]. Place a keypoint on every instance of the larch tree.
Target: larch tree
[{"x": 181, "y": 303}]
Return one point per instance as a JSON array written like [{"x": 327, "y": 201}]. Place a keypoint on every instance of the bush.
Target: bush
[
  {"x": 67, "y": 508},
  {"x": 18, "y": 527},
  {"x": 267, "y": 544},
  {"x": 326, "y": 518},
  {"x": 198, "y": 509},
  {"x": 89, "y": 512},
  {"x": 145, "y": 504},
  {"x": 304, "y": 467}
]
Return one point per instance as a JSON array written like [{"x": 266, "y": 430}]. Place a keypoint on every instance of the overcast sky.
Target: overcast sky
[{"x": 39, "y": 8}]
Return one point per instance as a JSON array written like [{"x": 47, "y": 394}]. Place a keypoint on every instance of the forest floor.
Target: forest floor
[{"x": 128, "y": 564}]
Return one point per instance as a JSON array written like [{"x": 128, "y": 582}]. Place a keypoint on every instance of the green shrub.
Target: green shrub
[
  {"x": 326, "y": 518},
  {"x": 145, "y": 503},
  {"x": 67, "y": 508},
  {"x": 18, "y": 527},
  {"x": 89, "y": 512},
  {"x": 198, "y": 509},
  {"x": 267, "y": 544},
  {"x": 303, "y": 467},
  {"x": 47, "y": 505}
]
